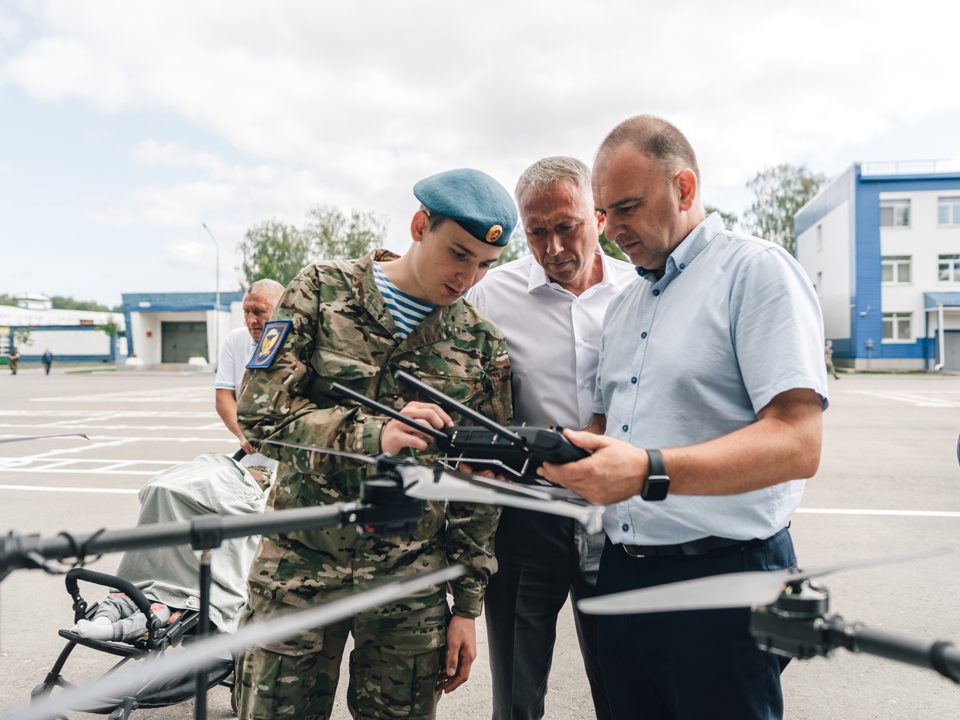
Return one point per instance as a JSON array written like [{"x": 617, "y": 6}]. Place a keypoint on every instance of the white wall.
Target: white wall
[
  {"x": 66, "y": 342},
  {"x": 830, "y": 261},
  {"x": 226, "y": 320},
  {"x": 923, "y": 241}
]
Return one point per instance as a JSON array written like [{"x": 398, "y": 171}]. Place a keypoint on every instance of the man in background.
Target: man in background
[
  {"x": 47, "y": 360},
  {"x": 550, "y": 307},
  {"x": 258, "y": 305},
  {"x": 828, "y": 358},
  {"x": 14, "y": 358}
]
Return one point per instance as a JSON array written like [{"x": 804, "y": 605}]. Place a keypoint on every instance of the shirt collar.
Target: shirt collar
[
  {"x": 687, "y": 251},
  {"x": 539, "y": 277}
]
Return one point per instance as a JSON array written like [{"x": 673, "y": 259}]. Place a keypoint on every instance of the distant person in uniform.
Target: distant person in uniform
[
  {"x": 828, "y": 358},
  {"x": 47, "y": 360},
  {"x": 14, "y": 359},
  {"x": 258, "y": 305}
]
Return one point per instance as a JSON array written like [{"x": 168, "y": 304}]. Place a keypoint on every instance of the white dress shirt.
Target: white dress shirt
[
  {"x": 553, "y": 337},
  {"x": 238, "y": 348}
]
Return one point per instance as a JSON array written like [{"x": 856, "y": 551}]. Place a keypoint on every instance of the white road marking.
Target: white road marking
[
  {"x": 893, "y": 513},
  {"x": 118, "y": 491},
  {"x": 173, "y": 395},
  {"x": 98, "y": 438},
  {"x": 79, "y": 426},
  {"x": 912, "y": 398},
  {"x": 92, "y": 414},
  {"x": 75, "y": 466}
]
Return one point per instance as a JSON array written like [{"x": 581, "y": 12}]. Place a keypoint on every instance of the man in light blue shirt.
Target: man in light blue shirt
[{"x": 711, "y": 373}]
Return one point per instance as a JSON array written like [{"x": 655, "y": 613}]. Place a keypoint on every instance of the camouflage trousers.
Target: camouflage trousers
[{"x": 394, "y": 668}]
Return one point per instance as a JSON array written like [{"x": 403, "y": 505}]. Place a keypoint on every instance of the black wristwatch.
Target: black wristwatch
[{"x": 657, "y": 484}]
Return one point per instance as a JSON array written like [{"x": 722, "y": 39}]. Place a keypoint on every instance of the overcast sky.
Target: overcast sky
[{"x": 125, "y": 125}]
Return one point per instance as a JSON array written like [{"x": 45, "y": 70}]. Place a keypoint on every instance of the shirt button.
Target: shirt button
[
  {"x": 682, "y": 265},
  {"x": 626, "y": 427},
  {"x": 625, "y": 527},
  {"x": 643, "y": 334},
  {"x": 656, "y": 292},
  {"x": 633, "y": 380}
]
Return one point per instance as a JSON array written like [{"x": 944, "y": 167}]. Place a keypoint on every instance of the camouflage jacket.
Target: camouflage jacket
[{"x": 343, "y": 332}]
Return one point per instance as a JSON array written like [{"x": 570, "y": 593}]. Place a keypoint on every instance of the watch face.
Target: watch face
[{"x": 655, "y": 488}]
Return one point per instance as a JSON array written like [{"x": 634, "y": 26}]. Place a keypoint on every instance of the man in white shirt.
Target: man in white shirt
[
  {"x": 550, "y": 306},
  {"x": 258, "y": 305}
]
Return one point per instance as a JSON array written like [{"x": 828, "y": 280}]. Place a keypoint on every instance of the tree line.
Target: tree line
[{"x": 276, "y": 250}]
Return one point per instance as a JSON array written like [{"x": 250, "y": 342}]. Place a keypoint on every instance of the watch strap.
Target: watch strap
[{"x": 657, "y": 466}]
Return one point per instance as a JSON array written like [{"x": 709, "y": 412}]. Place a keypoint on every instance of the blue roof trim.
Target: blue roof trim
[
  {"x": 179, "y": 308},
  {"x": 945, "y": 177},
  {"x": 932, "y": 299},
  {"x": 44, "y": 328}
]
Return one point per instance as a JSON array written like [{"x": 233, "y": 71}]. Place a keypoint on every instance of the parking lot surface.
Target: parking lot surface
[{"x": 888, "y": 483}]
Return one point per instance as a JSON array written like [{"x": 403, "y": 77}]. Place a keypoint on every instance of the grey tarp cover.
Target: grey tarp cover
[{"x": 210, "y": 484}]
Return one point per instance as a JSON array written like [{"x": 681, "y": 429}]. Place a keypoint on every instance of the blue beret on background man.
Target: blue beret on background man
[{"x": 472, "y": 199}]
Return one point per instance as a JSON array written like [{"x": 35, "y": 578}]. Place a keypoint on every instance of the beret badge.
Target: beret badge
[{"x": 494, "y": 233}]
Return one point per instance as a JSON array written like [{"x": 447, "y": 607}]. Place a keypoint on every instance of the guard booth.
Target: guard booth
[
  {"x": 181, "y": 341},
  {"x": 172, "y": 328},
  {"x": 943, "y": 330}
]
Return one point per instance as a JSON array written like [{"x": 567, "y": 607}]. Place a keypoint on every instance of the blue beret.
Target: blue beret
[{"x": 474, "y": 200}]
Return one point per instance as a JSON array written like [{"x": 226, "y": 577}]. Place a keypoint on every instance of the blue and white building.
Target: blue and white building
[
  {"x": 71, "y": 335},
  {"x": 171, "y": 328},
  {"x": 881, "y": 244}
]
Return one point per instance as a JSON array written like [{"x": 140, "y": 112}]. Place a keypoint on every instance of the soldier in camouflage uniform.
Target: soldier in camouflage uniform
[
  {"x": 343, "y": 331},
  {"x": 14, "y": 359}
]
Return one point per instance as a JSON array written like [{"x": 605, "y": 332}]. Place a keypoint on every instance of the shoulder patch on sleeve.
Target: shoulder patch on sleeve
[{"x": 274, "y": 333}]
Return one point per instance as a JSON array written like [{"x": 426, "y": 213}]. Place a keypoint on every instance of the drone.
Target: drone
[
  {"x": 789, "y": 614},
  {"x": 515, "y": 452}
]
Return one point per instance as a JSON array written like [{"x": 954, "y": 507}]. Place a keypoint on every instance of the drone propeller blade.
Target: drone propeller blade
[
  {"x": 327, "y": 451},
  {"x": 748, "y": 589},
  {"x": 708, "y": 593},
  {"x": 202, "y": 652},
  {"x": 439, "y": 485},
  {"x": 42, "y": 437}
]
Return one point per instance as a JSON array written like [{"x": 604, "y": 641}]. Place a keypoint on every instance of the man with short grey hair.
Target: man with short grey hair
[
  {"x": 259, "y": 302},
  {"x": 710, "y": 390},
  {"x": 549, "y": 306}
]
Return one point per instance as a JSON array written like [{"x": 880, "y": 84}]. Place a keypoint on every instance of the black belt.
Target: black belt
[{"x": 694, "y": 547}]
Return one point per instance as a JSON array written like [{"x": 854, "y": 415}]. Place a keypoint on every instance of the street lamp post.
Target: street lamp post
[{"x": 216, "y": 310}]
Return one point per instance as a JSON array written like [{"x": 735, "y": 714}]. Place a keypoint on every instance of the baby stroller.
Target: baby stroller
[{"x": 210, "y": 484}]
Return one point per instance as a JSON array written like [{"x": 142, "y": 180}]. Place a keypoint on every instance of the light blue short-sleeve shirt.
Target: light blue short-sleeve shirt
[{"x": 696, "y": 355}]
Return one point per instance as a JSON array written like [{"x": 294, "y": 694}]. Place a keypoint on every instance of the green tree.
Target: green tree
[
  {"x": 729, "y": 219},
  {"x": 779, "y": 192},
  {"x": 21, "y": 336},
  {"x": 7, "y": 299},
  {"x": 273, "y": 250},
  {"x": 611, "y": 249},
  {"x": 61, "y": 302},
  {"x": 110, "y": 327},
  {"x": 515, "y": 248},
  {"x": 334, "y": 235}
]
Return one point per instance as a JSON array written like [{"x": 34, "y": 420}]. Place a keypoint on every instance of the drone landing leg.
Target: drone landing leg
[{"x": 203, "y": 629}]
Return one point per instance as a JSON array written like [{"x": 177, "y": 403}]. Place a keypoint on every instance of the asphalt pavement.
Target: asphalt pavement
[{"x": 888, "y": 483}]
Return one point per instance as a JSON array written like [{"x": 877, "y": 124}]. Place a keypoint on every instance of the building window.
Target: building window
[
  {"x": 896, "y": 327},
  {"x": 949, "y": 268},
  {"x": 895, "y": 269},
  {"x": 819, "y": 238},
  {"x": 819, "y": 286},
  {"x": 948, "y": 211},
  {"x": 894, "y": 213}
]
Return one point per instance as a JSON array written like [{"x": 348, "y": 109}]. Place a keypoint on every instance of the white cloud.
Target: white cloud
[{"x": 352, "y": 103}]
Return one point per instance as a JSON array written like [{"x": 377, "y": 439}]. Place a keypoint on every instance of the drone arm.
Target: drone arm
[{"x": 856, "y": 637}]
